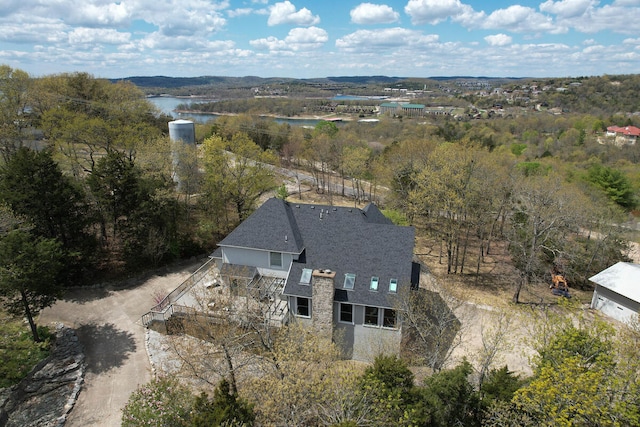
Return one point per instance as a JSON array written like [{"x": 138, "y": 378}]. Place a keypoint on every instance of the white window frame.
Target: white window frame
[
  {"x": 349, "y": 281},
  {"x": 375, "y": 281},
  {"x": 307, "y": 316},
  {"x": 344, "y": 304},
  {"x": 271, "y": 263},
  {"x": 364, "y": 319},
  {"x": 305, "y": 277},
  {"x": 395, "y": 317},
  {"x": 393, "y": 286}
]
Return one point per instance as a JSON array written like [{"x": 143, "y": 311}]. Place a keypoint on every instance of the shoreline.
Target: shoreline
[{"x": 328, "y": 118}]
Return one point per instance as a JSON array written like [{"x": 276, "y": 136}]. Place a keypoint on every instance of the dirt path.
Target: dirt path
[{"x": 107, "y": 321}]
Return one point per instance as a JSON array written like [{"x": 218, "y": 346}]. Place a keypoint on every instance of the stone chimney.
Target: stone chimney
[{"x": 322, "y": 302}]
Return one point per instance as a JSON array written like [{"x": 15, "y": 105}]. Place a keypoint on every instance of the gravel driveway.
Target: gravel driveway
[{"x": 107, "y": 321}]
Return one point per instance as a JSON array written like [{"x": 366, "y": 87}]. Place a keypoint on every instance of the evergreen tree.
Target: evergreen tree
[
  {"x": 29, "y": 274},
  {"x": 225, "y": 409}
]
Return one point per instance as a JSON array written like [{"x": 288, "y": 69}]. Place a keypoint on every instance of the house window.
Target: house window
[
  {"x": 346, "y": 313},
  {"x": 371, "y": 316},
  {"x": 302, "y": 307},
  {"x": 349, "y": 280},
  {"x": 275, "y": 259},
  {"x": 374, "y": 284},
  {"x": 306, "y": 276},
  {"x": 393, "y": 285},
  {"x": 389, "y": 318}
]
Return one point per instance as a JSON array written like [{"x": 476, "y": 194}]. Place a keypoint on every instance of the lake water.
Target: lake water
[{"x": 168, "y": 104}]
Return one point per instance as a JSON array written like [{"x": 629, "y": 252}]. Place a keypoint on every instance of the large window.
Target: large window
[
  {"x": 275, "y": 259},
  {"x": 346, "y": 313},
  {"x": 371, "y": 316},
  {"x": 389, "y": 318},
  {"x": 302, "y": 307},
  {"x": 305, "y": 278},
  {"x": 374, "y": 284},
  {"x": 349, "y": 280}
]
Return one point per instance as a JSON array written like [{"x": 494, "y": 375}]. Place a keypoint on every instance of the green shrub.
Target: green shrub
[
  {"x": 161, "y": 402},
  {"x": 18, "y": 352}
]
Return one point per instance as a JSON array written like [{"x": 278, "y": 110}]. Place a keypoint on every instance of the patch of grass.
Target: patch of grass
[
  {"x": 18, "y": 352},
  {"x": 396, "y": 216}
]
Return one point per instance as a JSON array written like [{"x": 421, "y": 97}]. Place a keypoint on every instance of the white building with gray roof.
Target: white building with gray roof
[{"x": 338, "y": 269}]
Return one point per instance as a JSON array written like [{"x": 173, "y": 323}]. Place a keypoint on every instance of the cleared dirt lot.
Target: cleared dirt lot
[{"x": 107, "y": 321}]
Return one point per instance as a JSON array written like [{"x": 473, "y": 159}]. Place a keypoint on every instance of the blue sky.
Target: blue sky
[{"x": 319, "y": 38}]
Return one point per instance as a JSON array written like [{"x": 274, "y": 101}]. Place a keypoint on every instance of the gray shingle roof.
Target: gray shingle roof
[
  {"x": 345, "y": 240},
  {"x": 271, "y": 228}
]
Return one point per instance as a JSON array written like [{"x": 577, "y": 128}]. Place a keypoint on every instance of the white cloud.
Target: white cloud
[
  {"x": 182, "y": 18},
  {"x": 239, "y": 12},
  {"x": 298, "y": 39},
  {"x": 36, "y": 30},
  {"x": 368, "y": 13},
  {"x": 97, "y": 14},
  {"x": 568, "y": 8},
  {"x": 285, "y": 13},
  {"x": 521, "y": 19},
  {"x": 161, "y": 42},
  {"x": 498, "y": 40},
  {"x": 436, "y": 11},
  {"x": 92, "y": 36},
  {"x": 388, "y": 38},
  {"x": 610, "y": 17}
]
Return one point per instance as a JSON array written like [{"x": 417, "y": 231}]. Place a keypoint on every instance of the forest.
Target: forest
[{"x": 92, "y": 189}]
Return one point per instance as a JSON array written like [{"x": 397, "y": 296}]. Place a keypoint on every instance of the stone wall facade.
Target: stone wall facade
[{"x": 322, "y": 302}]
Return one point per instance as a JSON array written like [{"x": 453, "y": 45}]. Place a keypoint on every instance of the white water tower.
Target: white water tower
[
  {"x": 182, "y": 134},
  {"x": 182, "y": 130}
]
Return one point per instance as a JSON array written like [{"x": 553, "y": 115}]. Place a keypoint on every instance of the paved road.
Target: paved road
[{"x": 107, "y": 322}]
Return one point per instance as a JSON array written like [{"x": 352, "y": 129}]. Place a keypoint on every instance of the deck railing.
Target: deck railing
[{"x": 164, "y": 309}]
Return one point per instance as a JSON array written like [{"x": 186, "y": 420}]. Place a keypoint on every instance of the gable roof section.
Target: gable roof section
[
  {"x": 622, "y": 278},
  {"x": 349, "y": 240},
  {"x": 374, "y": 215},
  {"x": 271, "y": 228}
]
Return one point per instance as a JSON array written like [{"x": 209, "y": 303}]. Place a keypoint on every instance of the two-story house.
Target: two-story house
[{"x": 336, "y": 269}]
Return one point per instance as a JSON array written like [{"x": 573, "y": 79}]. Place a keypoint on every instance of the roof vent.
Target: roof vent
[
  {"x": 297, "y": 206},
  {"x": 335, "y": 209},
  {"x": 313, "y": 207},
  {"x": 286, "y": 238}
]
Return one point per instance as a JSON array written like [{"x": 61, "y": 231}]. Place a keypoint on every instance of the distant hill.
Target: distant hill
[{"x": 176, "y": 82}]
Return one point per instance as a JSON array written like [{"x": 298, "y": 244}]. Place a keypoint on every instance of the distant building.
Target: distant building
[
  {"x": 627, "y": 135},
  {"x": 402, "y": 109}
]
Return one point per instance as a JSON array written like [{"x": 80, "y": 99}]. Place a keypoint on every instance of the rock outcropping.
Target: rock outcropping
[{"x": 47, "y": 395}]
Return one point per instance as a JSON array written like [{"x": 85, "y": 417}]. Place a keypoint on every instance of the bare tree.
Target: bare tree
[
  {"x": 221, "y": 348},
  {"x": 544, "y": 213},
  {"x": 494, "y": 343},
  {"x": 431, "y": 330}
]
